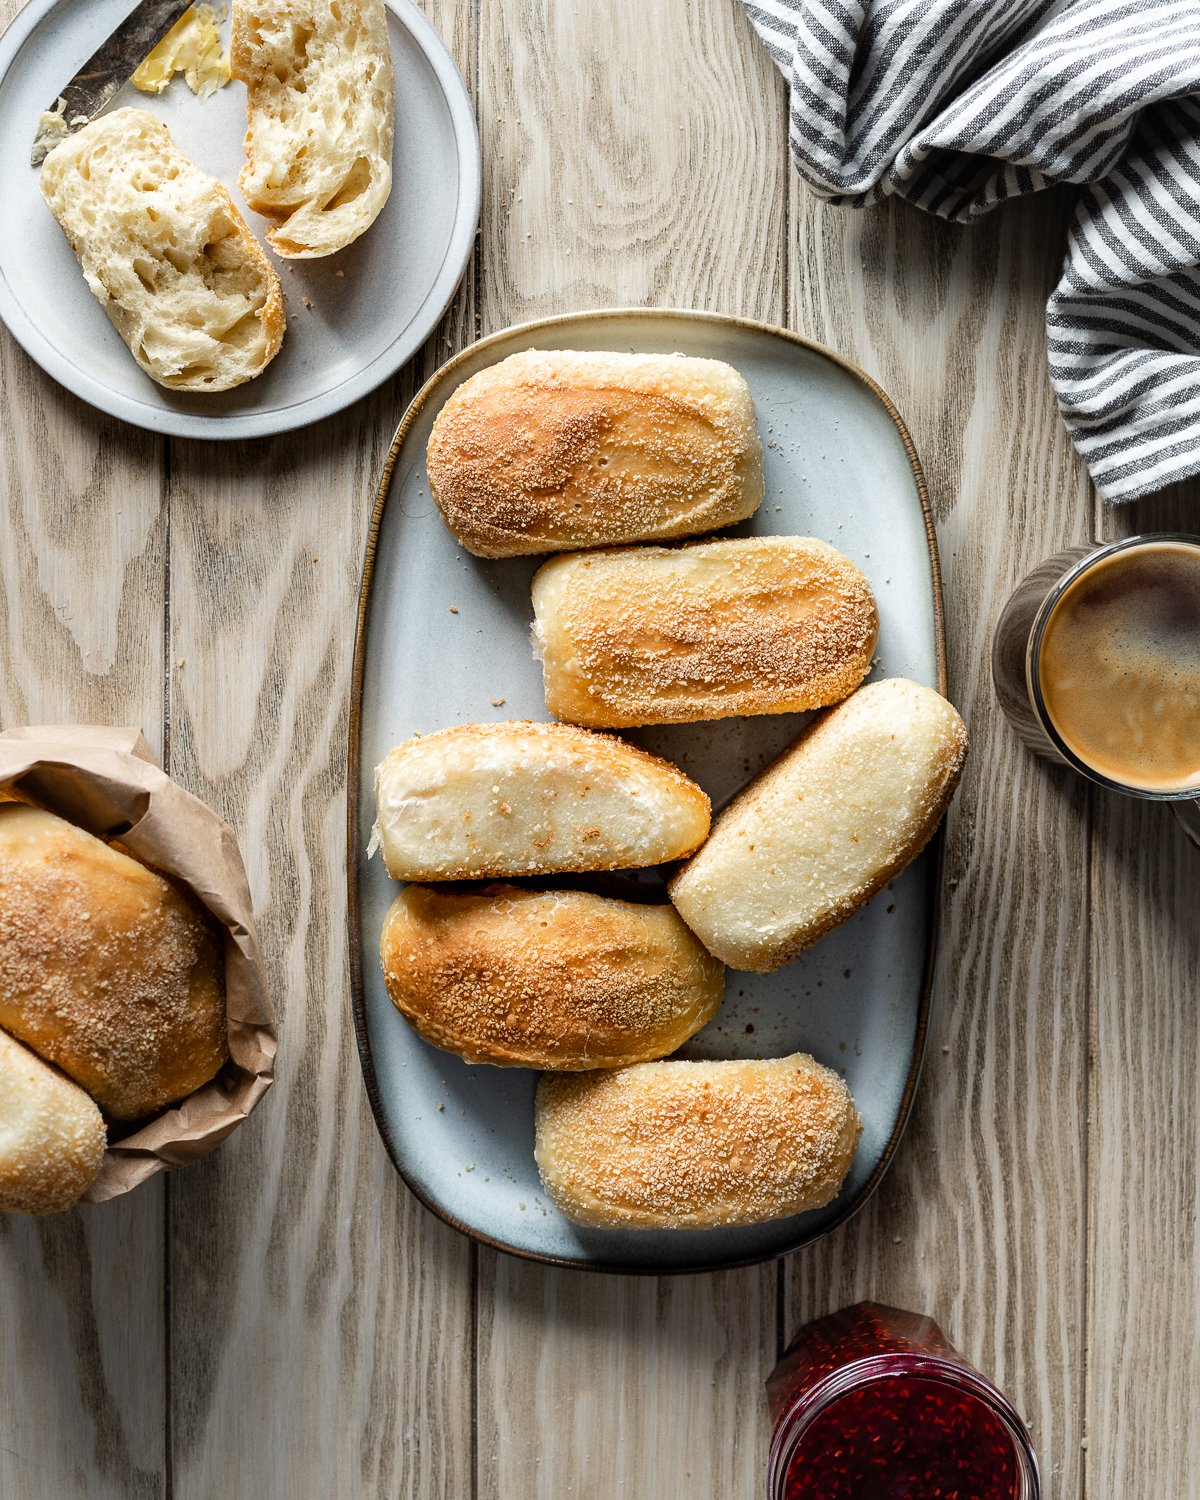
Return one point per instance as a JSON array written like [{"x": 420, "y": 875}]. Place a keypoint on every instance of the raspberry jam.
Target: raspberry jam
[{"x": 872, "y": 1403}]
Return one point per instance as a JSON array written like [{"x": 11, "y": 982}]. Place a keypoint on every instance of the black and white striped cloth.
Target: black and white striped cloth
[{"x": 957, "y": 105}]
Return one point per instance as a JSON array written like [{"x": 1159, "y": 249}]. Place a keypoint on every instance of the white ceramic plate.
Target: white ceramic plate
[
  {"x": 372, "y": 305},
  {"x": 839, "y": 466}
]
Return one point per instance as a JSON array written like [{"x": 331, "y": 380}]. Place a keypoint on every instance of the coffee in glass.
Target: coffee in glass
[{"x": 1096, "y": 661}]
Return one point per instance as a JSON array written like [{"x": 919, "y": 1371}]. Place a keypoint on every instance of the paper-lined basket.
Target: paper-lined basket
[{"x": 108, "y": 782}]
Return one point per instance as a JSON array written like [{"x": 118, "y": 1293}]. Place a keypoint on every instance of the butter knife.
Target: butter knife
[{"x": 108, "y": 68}]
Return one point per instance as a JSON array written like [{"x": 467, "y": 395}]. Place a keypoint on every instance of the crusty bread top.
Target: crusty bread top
[
  {"x": 825, "y": 826},
  {"x": 320, "y": 118},
  {"x": 518, "y": 798},
  {"x": 52, "y": 1137},
  {"x": 107, "y": 969},
  {"x": 167, "y": 254},
  {"x": 546, "y": 979},
  {"x": 563, "y": 448},
  {"x": 663, "y": 635},
  {"x": 690, "y": 1145}
]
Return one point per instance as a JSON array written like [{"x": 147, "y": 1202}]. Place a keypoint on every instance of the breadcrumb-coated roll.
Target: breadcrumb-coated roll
[
  {"x": 52, "y": 1137},
  {"x": 665, "y": 635},
  {"x": 107, "y": 969},
  {"x": 695, "y": 1145},
  {"x": 825, "y": 826},
  {"x": 479, "y": 801},
  {"x": 546, "y": 979},
  {"x": 565, "y": 448}
]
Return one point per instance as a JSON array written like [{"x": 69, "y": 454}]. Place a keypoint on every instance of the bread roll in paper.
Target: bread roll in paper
[
  {"x": 663, "y": 635},
  {"x": 518, "y": 798},
  {"x": 52, "y": 1137},
  {"x": 546, "y": 979},
  {"x": 563, "y": 448},
  {"x": 107, "y": 969},
  {"x": 695, "y": 1145},
  {"x": 825, "y": 826}
]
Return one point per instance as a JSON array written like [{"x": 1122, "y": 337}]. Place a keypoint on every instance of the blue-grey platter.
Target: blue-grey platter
[{"x": 444, "y": 638}]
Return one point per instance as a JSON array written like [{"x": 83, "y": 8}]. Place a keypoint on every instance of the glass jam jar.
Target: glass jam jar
[{"x": 876, "y": 1404}]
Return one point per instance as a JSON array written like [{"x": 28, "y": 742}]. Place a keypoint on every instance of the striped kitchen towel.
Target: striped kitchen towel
[{"x": 957, "y": 105}]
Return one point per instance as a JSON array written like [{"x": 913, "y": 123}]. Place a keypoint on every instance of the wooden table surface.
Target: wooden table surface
[{"x": 284, "y": 1320}]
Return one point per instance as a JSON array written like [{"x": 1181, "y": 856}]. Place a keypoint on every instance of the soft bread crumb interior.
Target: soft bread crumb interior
[
  {"x": 166, "y": 253},
  {"x": 320, "y": 111}
]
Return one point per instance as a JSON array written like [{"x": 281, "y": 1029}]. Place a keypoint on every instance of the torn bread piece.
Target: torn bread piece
[
  {"x": 320, "y": 112},
  {"x": 168, "y": 256}
]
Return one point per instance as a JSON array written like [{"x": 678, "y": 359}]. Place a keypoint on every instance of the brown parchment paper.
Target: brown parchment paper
[{"x": 107, "y": 781}]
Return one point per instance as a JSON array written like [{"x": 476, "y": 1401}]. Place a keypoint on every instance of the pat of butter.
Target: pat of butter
[
  {"x": 191, "y": 47},
  {"x": 52, "y": 124}
]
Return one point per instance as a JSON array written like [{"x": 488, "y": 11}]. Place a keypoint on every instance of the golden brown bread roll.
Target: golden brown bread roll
[
  {"x": 51, "y": 1135},
  {"x": 825, "y": 826},
  {"x": 695, "y": 1145},
  {"x": 488, "y": 800},
  {"x": 546, "y": 979},
  {"x": 664, "y": 635},
  {"x": 107, "y": 969},
  {"x": 560, "y": 448}
]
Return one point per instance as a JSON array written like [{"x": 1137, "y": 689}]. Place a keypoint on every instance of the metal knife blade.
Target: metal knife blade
[{"x": 107, "y": 70}]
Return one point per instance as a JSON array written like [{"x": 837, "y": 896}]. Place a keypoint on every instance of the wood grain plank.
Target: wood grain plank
[
  {"x": 82, "y": 1324},
  {"x": 1144, "y": 1122},
  {"x": 320, "y": 1318},
  {"x": 982, "y": 1218},
  {"x": 615, "y": 176}
]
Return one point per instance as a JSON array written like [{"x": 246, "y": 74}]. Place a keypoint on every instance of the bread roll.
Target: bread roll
[
  {"x": 487, "y": 800},
  {"x": 561, "y": 448},
  {"x": 546, "y": 979},
  {"x": 167, "y": 254},
  {"x": 695, "y": 1145},
  {"x": 51, "y": 1135},
  {"x": 107, "y": 969},
  {"x": 826, "y": 826},
  {"x": 664, "y": 635},
  {"x": 320, "y": 108}
]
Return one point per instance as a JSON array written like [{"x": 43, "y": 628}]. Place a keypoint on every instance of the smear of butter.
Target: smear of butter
[
  {"x": 191, "y": 47},
  {"x": 52, "y": 125}
]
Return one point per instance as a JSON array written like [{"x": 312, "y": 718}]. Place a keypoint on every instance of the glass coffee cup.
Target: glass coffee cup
[{"x": 1096, "y": 663}]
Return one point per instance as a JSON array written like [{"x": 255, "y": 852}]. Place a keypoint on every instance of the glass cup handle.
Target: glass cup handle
[{"x": 1188, "y": 814}]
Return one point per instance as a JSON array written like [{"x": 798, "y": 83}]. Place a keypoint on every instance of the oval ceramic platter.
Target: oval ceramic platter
[
  {"x": 353, "y": 318},
  {"x": 444, "y": 638}
]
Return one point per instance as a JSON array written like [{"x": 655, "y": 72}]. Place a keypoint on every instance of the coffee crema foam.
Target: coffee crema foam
[{"x": 1119, "y": 667}]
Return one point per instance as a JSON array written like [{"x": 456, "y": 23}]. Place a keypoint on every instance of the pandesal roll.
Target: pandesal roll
[
  {"x": 695, "y": 1145},
  {"x": 665, "y": 635},
  {"x": 565, "y": 448},
  {"x": 107, "y": 969},
  {"x": 546, "y": 979},
  {"x": 518, "y": 798},
  {"x": 825, "y": 826},
  {"x": 52, "y": 1136}
]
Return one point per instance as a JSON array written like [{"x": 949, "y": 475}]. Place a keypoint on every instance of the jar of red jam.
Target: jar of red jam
[{"x": 872, "y": 1403}]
